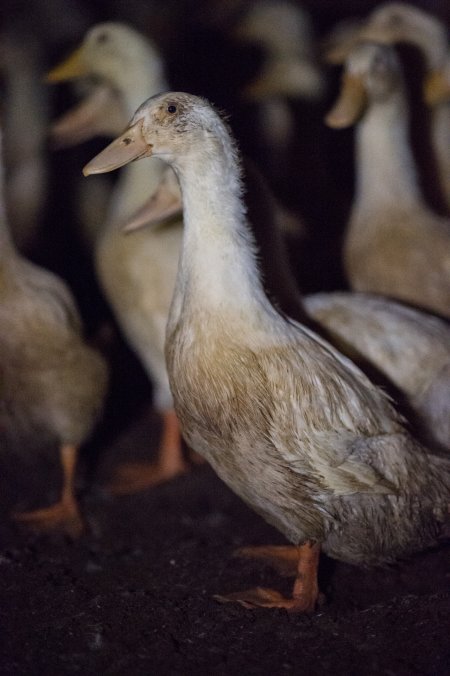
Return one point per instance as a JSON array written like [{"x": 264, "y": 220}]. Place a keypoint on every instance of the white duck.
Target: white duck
[
  {"x": 287, "y": 422},
  {"x": 52, "y": 384},
  {"x": 395, "y": 245},
  {"x": 398, "y": 22},
  {"x": 137, "y": 274}
]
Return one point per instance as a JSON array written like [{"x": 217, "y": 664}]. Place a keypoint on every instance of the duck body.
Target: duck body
[
  {"x": 287, "y": 422},
  {"x": 383, "y": 254},
  {"x": 411, "y": 348},
  {"x": 334, "y": 485},
  {"x": 141, "y": 302},
  {"x": 53, "y": 383}
]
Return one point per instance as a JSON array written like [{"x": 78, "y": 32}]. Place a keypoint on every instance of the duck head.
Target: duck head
[
  {"x": 115, "y": 63},
  {"x": 110, "y": 52},
  {"x": 394, "y": 23},
  {"x": 158, "y": 128},
  {"x": 372, "y": 73}
]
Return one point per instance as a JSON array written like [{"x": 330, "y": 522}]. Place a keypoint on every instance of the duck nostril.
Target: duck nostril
[{"x": 127, "y": 141}]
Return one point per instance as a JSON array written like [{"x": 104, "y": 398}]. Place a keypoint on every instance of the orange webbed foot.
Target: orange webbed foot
[
  {"x": 261, "y": 597},
  {"x": 133, "y": 477},
  {"x": 63, "y": 516},
  {"x": 299, "y": 561}
]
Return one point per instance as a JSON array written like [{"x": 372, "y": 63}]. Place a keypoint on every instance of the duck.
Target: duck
[
  {"x": 393, "y": 23},
  {"x": 397, "y": 22},
  {"x": 394, "y": 244},
  {"x": 136, "y": 274},
  {"x": 405, "y": 350},
  {"x": 53, "y": 384},
  {"x": 288, "y": 423}
]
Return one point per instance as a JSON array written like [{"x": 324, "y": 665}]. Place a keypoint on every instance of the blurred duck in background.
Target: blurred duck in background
[
  {"x": 403, "y": 23},
  {"x": 52, "y": 384},
  {"x": 394, "y": 244},
  {"x": 137, "y": 274},
  {"x": 289, "y": 69}
]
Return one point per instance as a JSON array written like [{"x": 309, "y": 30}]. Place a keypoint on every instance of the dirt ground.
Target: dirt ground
[{"x": 135, "y": 594}]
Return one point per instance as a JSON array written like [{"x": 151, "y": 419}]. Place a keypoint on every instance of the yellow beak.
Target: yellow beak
[
  {"x": 70, "y": 69},
  {"x": 128, "y": 147},
  {"x": 350, "y": 104}
]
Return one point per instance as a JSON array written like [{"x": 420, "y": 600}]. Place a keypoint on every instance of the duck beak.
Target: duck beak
[
  {"x": 350, "y": 104},
  {"x": 127, "y": 148},
  {"x": 436, "y": 88},
  {"x": 99, "y": 114},
  {"x": 163, "y": 204},
  {"x": 70, "y": 69}
]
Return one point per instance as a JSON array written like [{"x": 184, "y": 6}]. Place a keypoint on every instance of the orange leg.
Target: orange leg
[
  {"x": 300, "y": 561},
  {"x": 137, "y": 476},
  {"x": 63, "y": 515},
  {"x": 284, "y": 559}
]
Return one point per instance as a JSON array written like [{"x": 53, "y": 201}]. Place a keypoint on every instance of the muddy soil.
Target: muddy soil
[{"x": 135, "y": 594}]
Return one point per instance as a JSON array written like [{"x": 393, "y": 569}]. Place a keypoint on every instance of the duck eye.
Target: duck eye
[
  {"x": 102, "y": 37},
  {"x": 171, "y": 109}
]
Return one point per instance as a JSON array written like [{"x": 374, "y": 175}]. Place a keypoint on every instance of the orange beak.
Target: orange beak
[
  {"x": 350, "y": 104},
  {"x": 127, "y": 148}
]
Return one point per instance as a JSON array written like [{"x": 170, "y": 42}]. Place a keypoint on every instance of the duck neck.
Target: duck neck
[
  {"x": 218, "y": 270},
  {"x": 385, "y": 169}
]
